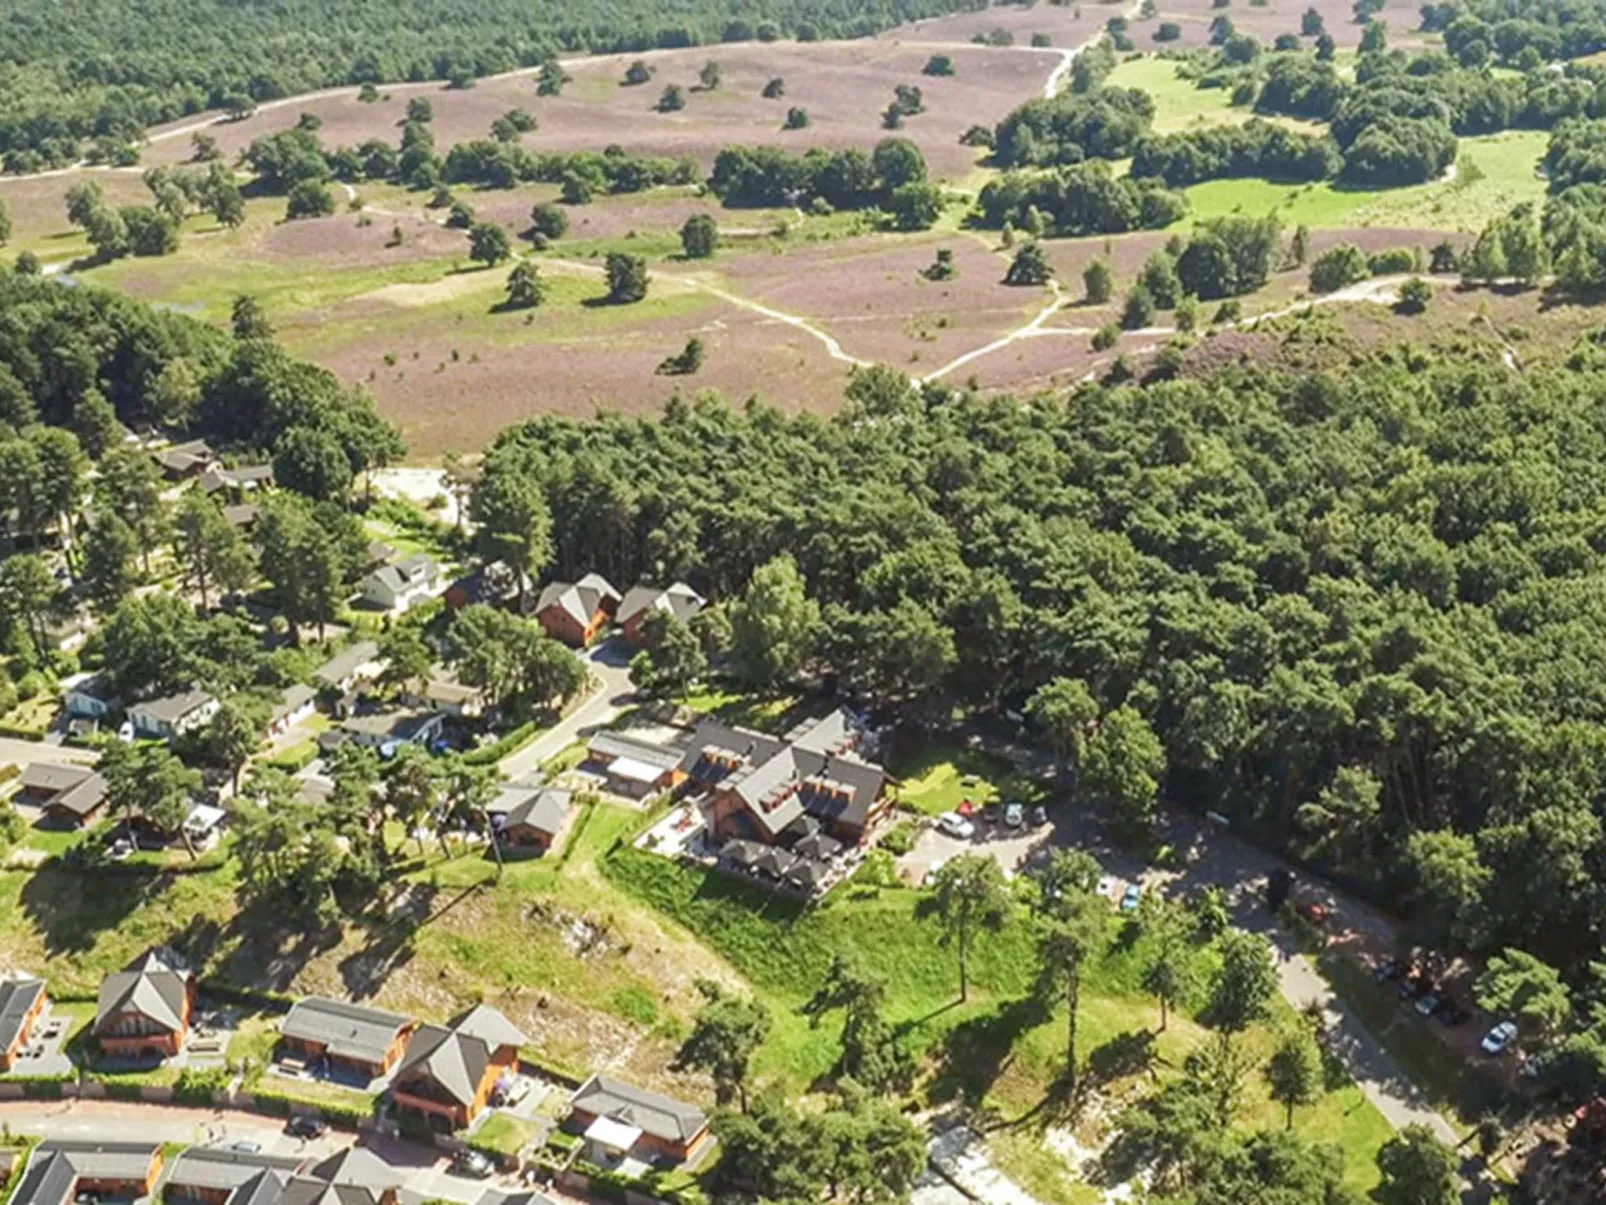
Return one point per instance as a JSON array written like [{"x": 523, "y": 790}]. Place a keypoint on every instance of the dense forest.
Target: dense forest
[
  {"x": 103, "y": 70},
  {"x": 1352, "y": 610}
]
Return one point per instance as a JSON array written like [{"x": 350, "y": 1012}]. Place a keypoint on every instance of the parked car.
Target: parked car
[
  {"x": 1428, "y": 1004},
  {"x": 246, "y": 1147},
  {"x": 1014, "y": 815},
  {"x": 1131, "y": 897},
  {"x": 956, "y": 825},
  {"x": 1389, "y": 970},
  {"x": 1451, "y": 1012},
  {"x": 472, "y": 1163},
  {"x": 1498, "y": 1040},
  {"x": 1414, "y": 986},
  {"x": 1039, "y": 816},
  {"x": 305, "y": 1125}
]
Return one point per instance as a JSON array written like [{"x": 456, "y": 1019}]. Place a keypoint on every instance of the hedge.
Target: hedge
[
  {"x": 502, "y": 746},
  {"x": 348, "y": 1117}
]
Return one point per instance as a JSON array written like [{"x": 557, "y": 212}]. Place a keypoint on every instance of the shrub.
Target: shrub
[
  {"x": 1167, "y": 31},
  {"x": 1394, "y": 261},
  {"x": 1106, "y": 336},
  {"x": 1341, "y": 265},
  {"x": 1414, "y": 296}
]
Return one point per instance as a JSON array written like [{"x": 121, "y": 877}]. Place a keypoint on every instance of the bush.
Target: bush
[
  {"x": 1414, "y": 296},
  {"x": 900, "y": 838},
  {"x": 1168, "y": 31},
  {"x": 1394, "y": 261},
  {"x": 1341, "y": 265},
  {"x": 1106, "y": 336}
]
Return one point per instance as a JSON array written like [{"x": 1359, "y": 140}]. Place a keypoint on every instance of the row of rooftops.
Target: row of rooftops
[{"x": 353, "y": 1176}]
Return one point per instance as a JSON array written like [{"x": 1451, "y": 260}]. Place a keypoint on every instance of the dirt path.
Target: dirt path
[{"x": 1382, "y": 290}]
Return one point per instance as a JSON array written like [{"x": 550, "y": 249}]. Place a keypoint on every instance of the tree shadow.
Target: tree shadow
[
  {"x": 71, "y": 906},
  {"x": 390, "y": 945},
  {"x": 271, "y": 948},
  {"x": 974, "y": 1053},
  {"x": 1135, "y": 1052}
]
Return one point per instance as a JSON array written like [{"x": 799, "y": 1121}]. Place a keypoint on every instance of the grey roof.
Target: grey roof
[
  {"x": 155, "y": 986},
  {"x": 581, "y": 599},
  {"x": 455, "y": 1058},
  {"x": 221, "y": 1168},
  {"x": 174, "y": 707},
  {"x": 352, "y": 1031},
  {"x": 393, "y": 725},
  {"x": 543, "y": 808},
  {"x": 266, "y": 1187},
  {"x": 652, "y": 1113},
  {"x": 83, "y": 796},
  {"x": 217, "y": 477},
  {"x": 355, "y": 1165},
  {"x": 811, "y": 770},
  {"x": 57, "y": 1165},
  {"x": 242, "y": 515},
  {"x": 17, "y": 998},
  {"x": 343, "y": 664},
  {"x": 489, "y": 1026},
  {"x": 48, "y": 1180},
  {"x": 619, "y": 744},
  {"x": 419, "y": 567},
  {"x": 52, "y": 778},
  {"x": 294, "y": 698},
  {"x": 496, "y": 1196},
  {"x": 181, "y": 458},
  {"x": 680, "y": 600}
]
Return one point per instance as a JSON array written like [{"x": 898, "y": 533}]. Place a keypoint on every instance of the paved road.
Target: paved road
[
  {"x": 610, "y": 665},
  {"x": 422, "y": 1170},
  {"x": 23, "y": 753},
  {"x": 1215, "y": 857}
]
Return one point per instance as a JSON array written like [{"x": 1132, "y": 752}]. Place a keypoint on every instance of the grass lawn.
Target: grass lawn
[
  {"x": 505, "y": 1134},
  {"x": 941, "y": 777},
  {"x": 764, "y": 712},
  {"x": 1000, "y": 1048},
  {"x": 1494, "y": 173}
]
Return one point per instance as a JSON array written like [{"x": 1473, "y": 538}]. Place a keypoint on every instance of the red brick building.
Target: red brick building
[
  {"x": 760, "y": 787},
  {"x": 449, "y": 1072},
  {"x": 145, "y": 1010},
  {"x": 21, "y": 1003},
  {"x": 576, "y": 612}
]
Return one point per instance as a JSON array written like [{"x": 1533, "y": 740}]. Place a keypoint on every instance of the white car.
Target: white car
[
  {"x": 956, "y": 825},
  {"x": 1498, "y": 1039}
]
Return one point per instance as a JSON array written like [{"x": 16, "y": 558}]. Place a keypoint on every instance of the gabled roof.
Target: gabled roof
[
  {"x": 402, "y": 725},
  {"x": 155, "y": 986},
  {"x": 347, "y": 662},
  {"x": 615, "y": 745},
  {"x": 415, "y": 570},
  {"x": 352, "y": 1031},
  {"x": 56, "y": 1166},
  {"x": 661, "y": 1116},
  {"x": 222, "y": 1168},
  {"x": 174, "y": 707},
  {"x": 17, "y": 998},
  {"x": 541, "y": 808},
  {"x": 52, "y": 778},
  {"x": 680, "y": 600},
  {"x": 579, "y": 600},
  {"x": 812, "y": 770},
  {"x": 455, "y": 1058},
  {"x": 294, "y": 698},
  {"x": 355, "y": 1165},
  {"x": 242, "y": 515},
  {"x": 181, "y": 458}
]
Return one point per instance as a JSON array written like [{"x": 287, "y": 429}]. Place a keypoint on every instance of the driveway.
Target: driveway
[{"x": 609, "y": 663}]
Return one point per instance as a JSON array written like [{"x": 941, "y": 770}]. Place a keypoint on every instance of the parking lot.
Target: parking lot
[
  {"x": 1010, "y": 847},
  {"x": 45, "y": 1053}
]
